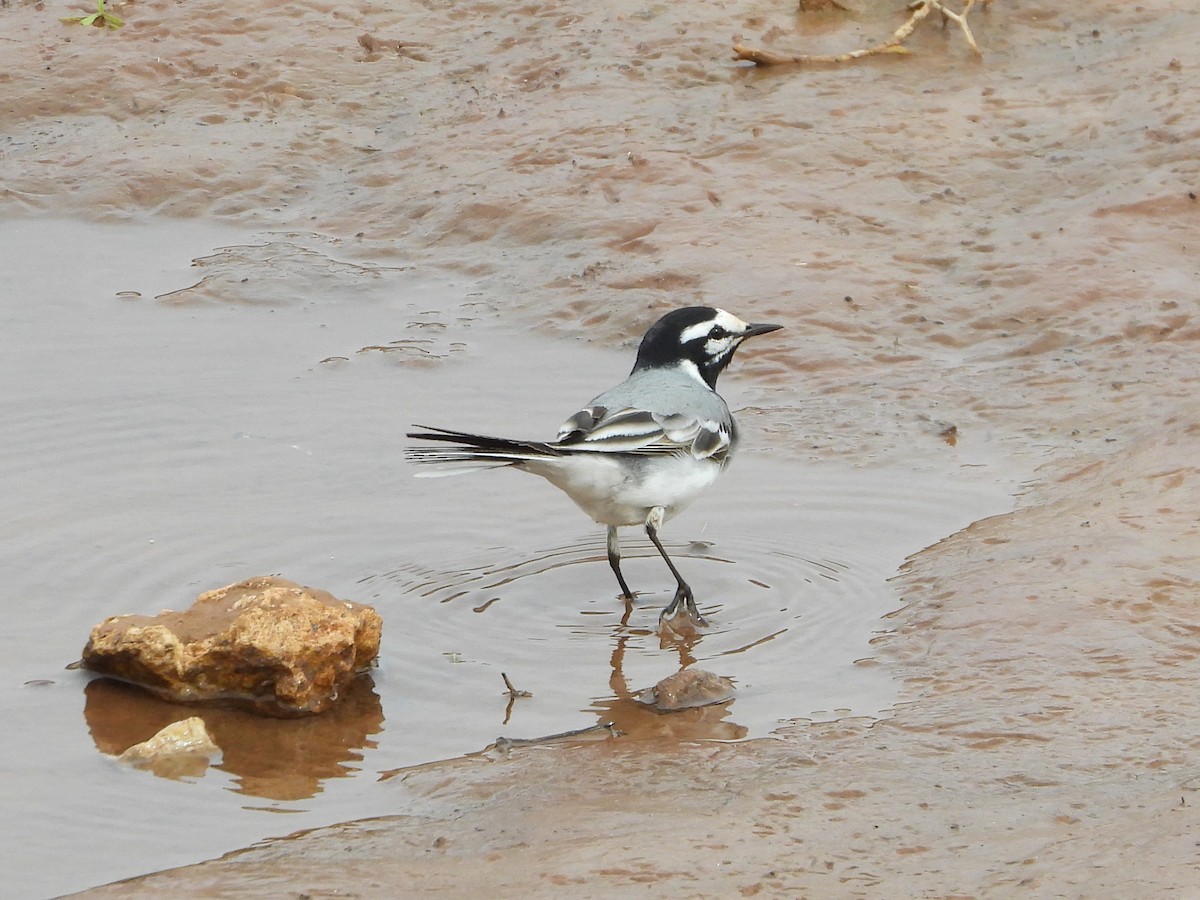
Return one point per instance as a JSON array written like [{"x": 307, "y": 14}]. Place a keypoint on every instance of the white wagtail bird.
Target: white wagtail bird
[{"x": 641, "y": 451}]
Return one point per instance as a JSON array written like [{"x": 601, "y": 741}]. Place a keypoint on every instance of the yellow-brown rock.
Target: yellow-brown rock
[
  {"x": 686, "y": 689},
  {"x": 266, "y": 644}
]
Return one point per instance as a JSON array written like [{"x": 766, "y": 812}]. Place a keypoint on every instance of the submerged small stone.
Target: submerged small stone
[
  {"x": 686, "y": 689},
  {"x": 267, "y": 645},
  {"x": 180, "y": 750}
]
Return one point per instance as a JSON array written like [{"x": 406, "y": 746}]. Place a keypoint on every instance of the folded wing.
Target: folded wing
[{"x": 632, "y": 430}]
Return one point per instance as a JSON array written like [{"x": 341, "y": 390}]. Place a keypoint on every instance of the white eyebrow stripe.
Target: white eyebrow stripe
[
  {"x": 699, "y": 330},
  {"x": 726, "y": 320}
]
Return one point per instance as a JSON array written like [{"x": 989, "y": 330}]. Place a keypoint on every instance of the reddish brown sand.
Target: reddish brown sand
[{"x": 1006, "y": 245}]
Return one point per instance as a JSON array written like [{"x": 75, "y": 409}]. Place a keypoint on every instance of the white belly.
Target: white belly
[{"x": 612, "y": 495}]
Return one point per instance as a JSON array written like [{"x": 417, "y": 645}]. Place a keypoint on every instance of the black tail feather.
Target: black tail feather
[{"x": 473, "y": 447}]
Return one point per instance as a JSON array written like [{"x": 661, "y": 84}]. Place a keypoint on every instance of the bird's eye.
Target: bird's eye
[{"x": 718, "y": 332}]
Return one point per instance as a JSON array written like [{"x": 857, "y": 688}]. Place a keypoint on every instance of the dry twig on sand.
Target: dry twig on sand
[{"x": 918, "y": 10}]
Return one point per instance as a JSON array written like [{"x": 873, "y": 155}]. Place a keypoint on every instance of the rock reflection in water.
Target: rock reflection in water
[
  {"x": 183, "y": 749},
  {"x": 279, "y": 759}
]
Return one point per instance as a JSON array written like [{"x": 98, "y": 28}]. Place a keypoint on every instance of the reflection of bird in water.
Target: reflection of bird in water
[
  {"x": 639, "y": 452},
  {"x": 638, "y": 720},
  {"x": 689, "y": 705}
]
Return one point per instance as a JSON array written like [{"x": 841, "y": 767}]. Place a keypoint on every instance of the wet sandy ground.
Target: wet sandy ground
[{"x": 1005, "y": 245}]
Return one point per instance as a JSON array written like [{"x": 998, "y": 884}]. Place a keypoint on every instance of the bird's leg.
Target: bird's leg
[
  {"x": 683, "y": 593},
  {"x": 614, "y": 560}
]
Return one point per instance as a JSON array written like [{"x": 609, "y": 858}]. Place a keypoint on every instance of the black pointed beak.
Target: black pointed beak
[{"x": 760, "y": 329}]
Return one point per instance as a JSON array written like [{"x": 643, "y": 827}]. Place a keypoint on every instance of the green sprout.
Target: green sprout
[{"x": 101, "y": 18}]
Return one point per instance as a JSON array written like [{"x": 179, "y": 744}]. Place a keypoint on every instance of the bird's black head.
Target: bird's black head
[{"x": 698, "y": 338}]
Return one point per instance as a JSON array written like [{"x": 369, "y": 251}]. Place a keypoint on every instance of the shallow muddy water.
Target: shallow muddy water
[
  {"x": 161, "y": 443},
  {"x": 417, "y": 205}
]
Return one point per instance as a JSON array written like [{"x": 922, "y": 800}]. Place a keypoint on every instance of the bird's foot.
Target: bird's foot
[{"x": 682, "y": 614}]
